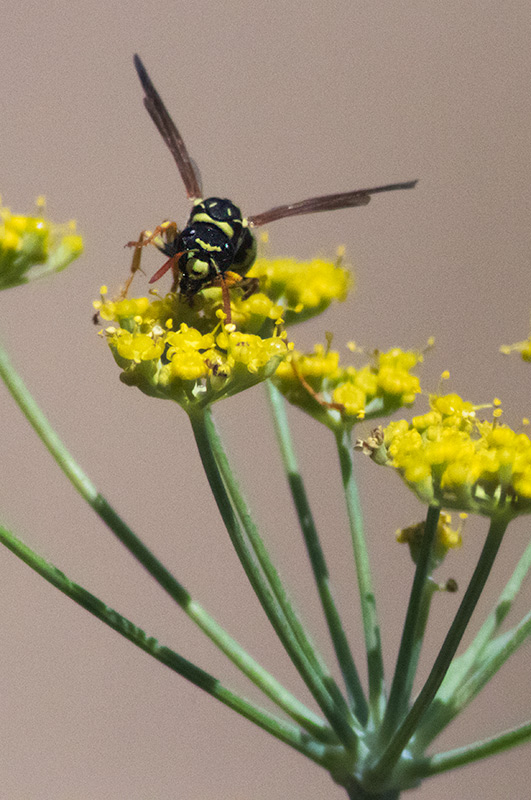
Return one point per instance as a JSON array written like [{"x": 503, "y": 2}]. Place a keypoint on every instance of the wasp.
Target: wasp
[{"x": 217, "y": 246}]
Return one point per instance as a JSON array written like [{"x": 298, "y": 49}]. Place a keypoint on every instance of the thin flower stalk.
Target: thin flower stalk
[
  {"x": 469, "y": 673},
  {"x": 280, "y": 729},
  {"x": 335, "y": 715},
  {"x": 461, "y": 756},
  {"x": 269, "y": 570},
  {"x": 316, "y": 556},
  {"x": 495, "y": 655},
  {"x": 371, "y": 625},
  {"x": 413, "y": 631},
  {"x": 387, "y": 761},
  {"x": 229, "y": 646}
]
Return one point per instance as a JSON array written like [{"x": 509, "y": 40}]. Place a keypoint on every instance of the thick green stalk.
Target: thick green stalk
[
  {"x": 277, "y": 727},
  {"x": 387, "y": 761},
  {"x": 335, "y": 716},
  {"x": 316, "y": 555},
  {"x": 269, "y": 685},
  {"x": 371, "y": 625},
  {"x": 413, "y": 632}
]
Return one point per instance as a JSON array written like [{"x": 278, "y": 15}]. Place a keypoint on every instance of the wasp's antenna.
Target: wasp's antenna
[
  {"x": 168, "y": 130},
  {"x": 327, "y": 202}
]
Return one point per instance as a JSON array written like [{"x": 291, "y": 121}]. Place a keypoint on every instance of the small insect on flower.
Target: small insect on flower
[{"x": 217, "y": 247}]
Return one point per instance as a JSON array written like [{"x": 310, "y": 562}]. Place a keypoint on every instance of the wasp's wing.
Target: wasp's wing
[
  {"x": 167, "y": 129},
  {"x": 327, "y": 202}
]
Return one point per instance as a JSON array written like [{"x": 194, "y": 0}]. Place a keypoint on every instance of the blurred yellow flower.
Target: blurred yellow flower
[{"x": 32, "y": 247}]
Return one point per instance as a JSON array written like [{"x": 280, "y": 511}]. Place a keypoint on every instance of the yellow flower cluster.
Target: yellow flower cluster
[
  {"x": 450, "y": 458},
  {"x": 167, "y": 358},
  {"x": 303, "y": 288},
  {"x": 337, "y": 395},
  {"x": 31, "y": 247},
  {"x": 179, "y": 347},
  {"x": 446, "y": 538}
]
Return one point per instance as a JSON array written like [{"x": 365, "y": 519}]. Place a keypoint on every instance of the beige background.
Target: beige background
[{"x": 277, "y": 102}]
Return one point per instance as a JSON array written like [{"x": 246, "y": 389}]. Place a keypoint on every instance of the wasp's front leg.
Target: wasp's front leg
[{"x": 167, "y": 231}]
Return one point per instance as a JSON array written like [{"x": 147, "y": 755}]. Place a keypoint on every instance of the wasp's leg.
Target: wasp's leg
[
  {"x": 225, "y": 294},
  {"x": 225, "y": 282},
  {"x": 135, "y": 261},
  {"x": 249, "y": 286},
  {"x": 167, "y": 230},
  {"x": 311, "y": 391},
  {"x": 228, "y": 281}
]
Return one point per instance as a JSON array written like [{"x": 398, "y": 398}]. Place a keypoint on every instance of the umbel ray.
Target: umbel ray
[{"x": 217, "y": 246}]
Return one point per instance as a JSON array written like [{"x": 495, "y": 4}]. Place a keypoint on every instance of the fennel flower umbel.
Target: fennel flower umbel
[{"x": 32, "y": 246}]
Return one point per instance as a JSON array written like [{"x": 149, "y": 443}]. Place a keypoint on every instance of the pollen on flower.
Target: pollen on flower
[{"x": 450, "y": 458}]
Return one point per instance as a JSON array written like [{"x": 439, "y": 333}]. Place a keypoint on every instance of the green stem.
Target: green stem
[
  {"x": 316, "y": 555},
  {"x": 356, "y": 792},
  {"x": 474, "y": 653},
  {"x": 495, "y": 656},
  {"x": 461, "y": 756},
  {"x": 268, "y": 568},
  {"x": 335, "y": 716},
  {"x": 473, "y": 669},
  {"x": 413, "y": 632},
  {"x": 371, "y": 626},
  {"x": 277, "y": 727},
  {"x": 269, "y": 685},
  {"x": 387, "y": 761}
]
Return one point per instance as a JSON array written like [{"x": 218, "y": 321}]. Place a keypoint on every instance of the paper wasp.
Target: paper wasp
[{"x": 217, "y": 247}]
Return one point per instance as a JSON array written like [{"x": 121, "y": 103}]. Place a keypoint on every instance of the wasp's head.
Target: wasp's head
[{"x": 206, "y": 255}]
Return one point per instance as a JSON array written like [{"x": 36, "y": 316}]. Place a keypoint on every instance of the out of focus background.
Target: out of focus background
[{"x": 277, "y": 102}]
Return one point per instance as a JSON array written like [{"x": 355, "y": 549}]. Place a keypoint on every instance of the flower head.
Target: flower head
[
  {"x": 195, "y": 366},
  {"x": 303, "y": 288},
  {"x": 338, "y": 395},
  {"x": 450, "y": 458},
  {"x": 446, "y": 538},
  {"x": 31, "y": 247}
]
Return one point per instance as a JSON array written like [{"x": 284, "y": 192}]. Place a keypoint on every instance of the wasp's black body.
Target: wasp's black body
[
  {"x": 216, "y": 239},
  {"x": 217, "y": 246}
]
